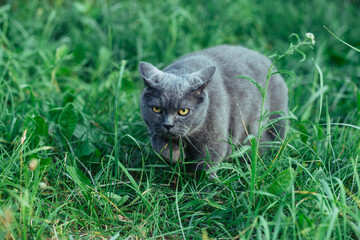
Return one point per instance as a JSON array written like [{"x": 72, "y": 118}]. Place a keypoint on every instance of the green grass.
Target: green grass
[{"x": 75, "y": 158}]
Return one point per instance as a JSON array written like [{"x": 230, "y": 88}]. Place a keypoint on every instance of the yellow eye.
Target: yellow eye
[
  {"x": 156, "y": 109},
  {"x": 183, "y": 112}
]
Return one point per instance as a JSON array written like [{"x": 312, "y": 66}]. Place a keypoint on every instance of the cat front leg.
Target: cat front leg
[
  {"x": 169, "y": 149},
  {"x": 211, "y": 156}
]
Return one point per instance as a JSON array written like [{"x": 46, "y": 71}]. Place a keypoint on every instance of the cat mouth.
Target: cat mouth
[{"x": 173, "y": 135}]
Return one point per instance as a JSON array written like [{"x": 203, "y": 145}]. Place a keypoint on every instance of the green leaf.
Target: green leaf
[
  {"x": 304, "y": 134},
  {"x": 36, "y": 125},
  {"x": 116, "y": 236},
  {"x": 85, "y": 149},
  {"x": 356, "y": 49},
  {"x": 62, "y": 52},
  {"x": 45, "y": 163},
  {"x": 41, "y": 128},
  {"x": 117, "y": 199},
  {"x": 240, "y": 152},
  {"x": 104, "y": 60},
  {"x": 283, "y": 72},
  {"x": 282, "y": 182},
  {"x": 358, "y": 99},
  {"x": 68, "y": 120},
  {"x": 262, "y": 91},
  {"x": 78, "y": 177},
  {"x": 69, "y": 96}
]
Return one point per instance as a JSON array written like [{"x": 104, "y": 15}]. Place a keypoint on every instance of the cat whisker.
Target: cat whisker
[
  {"x": 147, "y": 144},
  {"x": 188, "y": 139},
  {"x": 152, "y": 135}
]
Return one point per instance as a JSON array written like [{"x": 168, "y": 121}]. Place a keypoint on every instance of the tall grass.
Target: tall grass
[{"x": 75, "y": 159}]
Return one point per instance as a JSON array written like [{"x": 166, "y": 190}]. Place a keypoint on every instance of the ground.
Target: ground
[{"x": 75, "y": 159}]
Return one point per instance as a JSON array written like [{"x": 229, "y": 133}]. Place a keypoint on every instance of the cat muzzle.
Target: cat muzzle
[{"x": 168, "y": 126}]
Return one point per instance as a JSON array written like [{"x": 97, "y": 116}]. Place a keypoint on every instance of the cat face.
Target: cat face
[{"x": 171, "y": 105}]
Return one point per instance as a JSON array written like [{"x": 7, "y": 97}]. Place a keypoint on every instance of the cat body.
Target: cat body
[{"x": 199, "y": 103}]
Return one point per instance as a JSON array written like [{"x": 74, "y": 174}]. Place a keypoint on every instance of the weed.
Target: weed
[{"x": 75, "y": 159}]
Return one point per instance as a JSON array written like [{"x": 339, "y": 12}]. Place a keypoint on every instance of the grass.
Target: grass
[{"x": 75, "y": 160}]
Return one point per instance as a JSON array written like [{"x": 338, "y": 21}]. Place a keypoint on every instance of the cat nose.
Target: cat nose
[{"x": 168, "y": 126}]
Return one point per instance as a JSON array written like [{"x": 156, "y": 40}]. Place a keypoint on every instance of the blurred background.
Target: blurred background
[{"x": 87, "y": 40}]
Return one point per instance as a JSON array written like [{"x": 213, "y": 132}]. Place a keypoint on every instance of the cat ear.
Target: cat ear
[
  {"x": 205, "y": 76},
  {"x": 147, "y": 70}
]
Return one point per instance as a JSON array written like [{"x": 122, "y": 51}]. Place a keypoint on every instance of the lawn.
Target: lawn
[{"x": 75, "y": 158}]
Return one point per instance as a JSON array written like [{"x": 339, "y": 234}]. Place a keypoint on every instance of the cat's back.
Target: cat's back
[
  {"x": 229, "y": 60},
  {"x": 222, "y": 52},
  {"x": 237, "y": 60}
]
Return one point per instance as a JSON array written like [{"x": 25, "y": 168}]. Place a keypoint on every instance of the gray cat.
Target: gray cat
[{"x": 198, "y": 103}]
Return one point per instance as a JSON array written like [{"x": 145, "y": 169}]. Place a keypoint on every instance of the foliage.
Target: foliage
[{"x": 75, "y": 160}]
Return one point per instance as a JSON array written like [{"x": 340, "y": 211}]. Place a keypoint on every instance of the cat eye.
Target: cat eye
[
  {"x": 156, "y": 109},
  {"x": 183, "y": 112}
]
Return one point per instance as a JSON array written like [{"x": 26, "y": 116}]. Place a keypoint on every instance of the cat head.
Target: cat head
[{"x": 174, "y": 105}]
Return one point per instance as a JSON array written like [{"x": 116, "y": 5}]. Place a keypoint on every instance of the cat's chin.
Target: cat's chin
[{"x": 173, "y": 136}]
